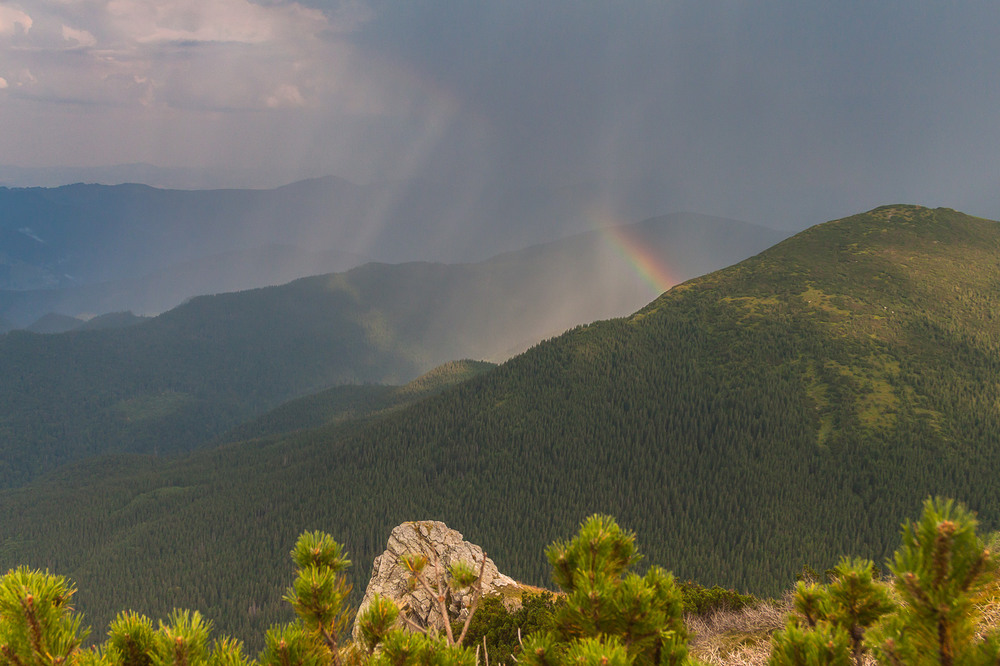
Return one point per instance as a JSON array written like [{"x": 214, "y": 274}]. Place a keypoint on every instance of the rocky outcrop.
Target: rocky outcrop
[{"x": 439, "y": 544}]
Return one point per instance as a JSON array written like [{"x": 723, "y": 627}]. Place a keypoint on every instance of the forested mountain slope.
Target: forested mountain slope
[
  {"x": 787, "y": 410},
  {"x": 178, "y": 380}
]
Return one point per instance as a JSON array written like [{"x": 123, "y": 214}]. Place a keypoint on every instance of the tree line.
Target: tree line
[{"x": 929, "y": 611}]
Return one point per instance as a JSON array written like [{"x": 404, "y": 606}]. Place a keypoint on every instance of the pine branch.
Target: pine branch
[
  {"x": 10, "y": 654},
  {"x": 944, "y": 642},
  {"x": 413, "y": 625},
  {"x": 180, "y": 654},
  {"x": 441, "y": 599},
  {"x": 437, "y": 596},
  {"x": 975, "y": 570},
  {"x": 283, "y": 651},
  {"x": 35, "y": 630},
  {"x": 477, "y": 594},
  {"x": 331, "y": 642},
  {"x": 942, "y": 551}
]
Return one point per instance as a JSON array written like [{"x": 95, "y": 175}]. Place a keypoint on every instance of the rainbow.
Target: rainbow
[
  {"x": 648, "y": 266},
  {"x": 646, "y": 263}
]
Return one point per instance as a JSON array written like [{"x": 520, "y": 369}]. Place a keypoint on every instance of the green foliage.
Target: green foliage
[
  {"x": 635, "y": 616},
  {"x": 320, "y": 591},
  {"x": 228, "y": 651},
  {"x": 319, "y": 596},
  {"x": 701, "y": 600},
  {"x": 940, "y": 572},
  {"x": 501, "y": 630},
  {"x": 413, "y": 562},
  {"x": 38, "y": 626},
  {"x": 376, "y": 621},
  {"x": 131, "y": 639},
  {"x": 601, "y": 552},
  {"x": 316, "y": 550},
  {"x": 832, "y": 619},
  {"x": 402, "y": 648},
  {"x": 461, "y": 575},
  {"x": 592, "y": 651},
  {"x": 183, "y": 640},
  {"x": 291, "y": 645},
  {"x": 856, "y": 600},
  {"x": 823, "y": 645}
]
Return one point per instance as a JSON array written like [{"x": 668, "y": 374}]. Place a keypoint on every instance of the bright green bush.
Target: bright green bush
[
  {"x": 37, "y": 624},
  {"x": 830, "y": 621},
  {"x": 502, "y": 630},
  {"x": 822, "y": 645},
  {"x": 610, "y": 613},
  {"x": 940, "y": 573}
]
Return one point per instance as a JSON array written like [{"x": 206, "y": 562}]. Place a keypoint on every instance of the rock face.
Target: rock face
[{"x": 439, "y": 544}]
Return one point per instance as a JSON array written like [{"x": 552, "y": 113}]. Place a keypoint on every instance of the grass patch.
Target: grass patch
[
  {"x": 818, "y": 300},
  {"x": 737, "y": 638}
]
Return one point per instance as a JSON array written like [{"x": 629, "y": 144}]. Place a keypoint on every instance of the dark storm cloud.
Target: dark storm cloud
[{"x": 786, "y": 113}]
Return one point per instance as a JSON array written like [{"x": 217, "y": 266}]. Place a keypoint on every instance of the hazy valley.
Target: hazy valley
[
  {"x": 121, "y": 383},
  {"x": 83, "y": 250}
]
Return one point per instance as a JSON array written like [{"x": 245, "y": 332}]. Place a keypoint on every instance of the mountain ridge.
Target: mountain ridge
[
  {"x": 743, "y": 423},
  {"x": 176, "y": 381},
  {"x": 73, "y": 238}
]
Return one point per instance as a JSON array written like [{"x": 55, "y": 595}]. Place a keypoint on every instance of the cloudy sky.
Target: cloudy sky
[{"x": 783, "y": 113}]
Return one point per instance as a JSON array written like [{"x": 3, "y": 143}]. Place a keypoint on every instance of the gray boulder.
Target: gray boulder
[{"x": 441, "y": 546}]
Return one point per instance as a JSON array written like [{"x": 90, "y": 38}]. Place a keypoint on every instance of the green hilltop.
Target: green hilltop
[{"x": 784, "y": 411}]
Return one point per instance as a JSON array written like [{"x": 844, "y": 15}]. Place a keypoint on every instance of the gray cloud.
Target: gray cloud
[
  {"x": 784, "y": 113},
  {"x": 773, "y": 111}
]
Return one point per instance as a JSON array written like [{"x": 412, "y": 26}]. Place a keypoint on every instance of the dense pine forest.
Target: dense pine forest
[
  {"x": 176, "y": 382},
  {"x": 936, "y": 606},
  {"x": 788, "y": 410}
]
